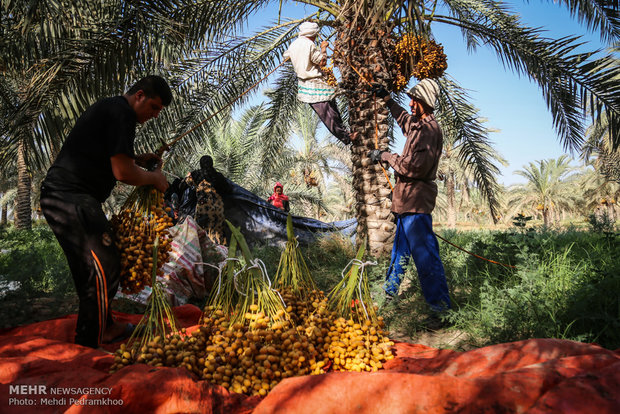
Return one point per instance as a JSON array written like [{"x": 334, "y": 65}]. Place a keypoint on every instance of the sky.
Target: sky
[
  {"x": 512, "y": 105},
  {"x": 515, "y": 106}
]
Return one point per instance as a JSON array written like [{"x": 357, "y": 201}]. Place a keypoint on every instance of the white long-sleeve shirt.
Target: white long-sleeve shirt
[{"x": 306, "y": 58}]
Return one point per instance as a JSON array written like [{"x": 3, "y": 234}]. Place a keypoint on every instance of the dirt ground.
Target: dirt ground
[{"x": 17, "y": 311}]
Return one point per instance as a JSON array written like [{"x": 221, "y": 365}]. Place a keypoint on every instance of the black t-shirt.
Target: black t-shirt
[{"x": 105, "y": 129}]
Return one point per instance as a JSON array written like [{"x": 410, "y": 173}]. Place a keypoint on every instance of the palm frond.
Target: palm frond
[
  {"x": 462, "y": 126},
  {"x": 601, "y": 15},
  {"x": 570, "y": 81}
]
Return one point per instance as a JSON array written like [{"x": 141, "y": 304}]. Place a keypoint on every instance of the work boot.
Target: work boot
[{"x": 436, "y": 321}]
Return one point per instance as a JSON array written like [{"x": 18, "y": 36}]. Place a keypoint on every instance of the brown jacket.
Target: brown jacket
[{"x": 416, "y": 169}]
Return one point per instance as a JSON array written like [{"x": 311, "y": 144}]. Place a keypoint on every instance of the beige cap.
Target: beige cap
[{"x": 426, "y": 91}]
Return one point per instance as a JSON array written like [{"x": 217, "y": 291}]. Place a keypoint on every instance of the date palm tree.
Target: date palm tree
[
  {"x": 599, "y": 192},
  {"x": 602, "y": 145},
  {"x": 211, "y": 63},
  {"x": 547, "y": 190},
  {"x": 363, "y": 33},
  {"x": 459, "y": 173}
]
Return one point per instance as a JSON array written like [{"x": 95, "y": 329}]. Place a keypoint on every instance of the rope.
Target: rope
[
  {"x": 473, "y": 254},
  {"x": 258, "y": 263},
  {"x": 387, "y": 177},
  {"x": 219, "y": 273},
  {"x": 362, "y": 265},
  {"x": 166, "y": 147},
  {"x": 219, "y": 276}
]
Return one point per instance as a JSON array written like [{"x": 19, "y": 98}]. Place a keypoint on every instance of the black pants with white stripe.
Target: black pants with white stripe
[
  {"x": 86, "y": 237},
  {"x": 330, "y": 115}
]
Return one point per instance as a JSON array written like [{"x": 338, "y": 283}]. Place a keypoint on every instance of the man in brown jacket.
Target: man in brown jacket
[{"x": 415, "y": 193}]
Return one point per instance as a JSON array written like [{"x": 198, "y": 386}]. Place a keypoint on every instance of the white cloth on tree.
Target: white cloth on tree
[{"x": 308, "y": 29}]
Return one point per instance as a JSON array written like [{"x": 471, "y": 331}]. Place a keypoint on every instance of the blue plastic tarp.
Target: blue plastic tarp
[{"x": 259, "y": 221}]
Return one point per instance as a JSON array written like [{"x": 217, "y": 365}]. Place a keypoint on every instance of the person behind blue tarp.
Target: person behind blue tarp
[{"x": 415, "y": 193}]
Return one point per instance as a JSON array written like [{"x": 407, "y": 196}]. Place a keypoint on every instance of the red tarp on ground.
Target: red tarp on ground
[{"x": 38, "y": 362}]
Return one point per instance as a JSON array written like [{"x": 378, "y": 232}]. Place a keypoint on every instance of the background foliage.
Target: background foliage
[{"x": 566, "y": 283}]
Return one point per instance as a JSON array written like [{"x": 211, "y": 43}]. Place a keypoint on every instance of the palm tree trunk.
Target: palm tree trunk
[
  {"x": 23, "y": 211},
  {"x": 465, "y": 194},
  {"x": 545, "y": 214},
  {"x": 451, "y": 205},
  {"x": 4, "y": 213},
  {"x": 465, "y": 200},
  {"x": 374, "y": 224},
  {"x": 360, "y": 53},
  {"x": 318, "y": 208}
]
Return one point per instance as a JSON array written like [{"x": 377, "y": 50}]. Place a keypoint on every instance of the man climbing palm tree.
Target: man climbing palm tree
[
  {"x": 415, "y": 193},
  {"x": 307, "y": 60}
]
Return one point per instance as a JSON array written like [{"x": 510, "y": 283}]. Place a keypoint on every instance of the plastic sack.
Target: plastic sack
[{"x": 192, "y": 267}]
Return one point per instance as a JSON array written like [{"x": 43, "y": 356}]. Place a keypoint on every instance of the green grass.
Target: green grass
[{"x": 566, "y": 285}]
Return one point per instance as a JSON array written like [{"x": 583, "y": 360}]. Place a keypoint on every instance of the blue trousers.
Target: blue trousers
[{"x": 415, "y": 238}]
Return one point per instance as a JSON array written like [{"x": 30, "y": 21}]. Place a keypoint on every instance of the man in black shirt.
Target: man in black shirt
[{"x": 98, "y": 152}]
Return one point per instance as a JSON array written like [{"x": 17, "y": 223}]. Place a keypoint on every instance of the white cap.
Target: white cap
[
  {"x": 426, "y": 91},
  {"x": 308, "y": 29}
]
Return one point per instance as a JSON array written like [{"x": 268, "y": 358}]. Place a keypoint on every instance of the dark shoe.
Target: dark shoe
[
  {"x": 434, "y": 322},
  {"x": 389, "y": 300},
  {"x": 129, "y": 328}
]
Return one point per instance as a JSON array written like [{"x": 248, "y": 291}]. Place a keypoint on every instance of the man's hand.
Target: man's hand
[
  {"x": 160, "y": 181},
  {"x": 126, "y": 170},
  {"x": 148, "y": 160},
  {"x": 379, "y": 91},
  {"x": 375, "y": 155}
]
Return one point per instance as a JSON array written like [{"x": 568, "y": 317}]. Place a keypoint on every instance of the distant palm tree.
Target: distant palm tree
[
  {"x": 599, "y": 150},
  {"x": 599, "y": 193},
  {"x": 547, "y": 189},
  {"x": 316, "y": 159},
  {"x": 238, "y": 152},
  {"x": 601, "y": 144},
  {"x": 340, "y": 198}
]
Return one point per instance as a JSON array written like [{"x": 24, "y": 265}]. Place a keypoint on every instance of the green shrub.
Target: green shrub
[
  {"x": 35, "y": 260},
  {"x": 601, "y": 223},
  {"x": 566, "y": 285}
]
